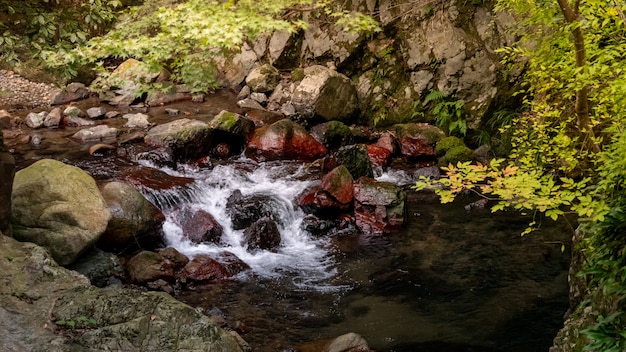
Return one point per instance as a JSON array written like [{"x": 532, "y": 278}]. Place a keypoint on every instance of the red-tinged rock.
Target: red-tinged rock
[
  {"x": 338, "y": 184},
  {"x": 388, "y": 141},
  {"x": 204, "y": 269},
  {"x": 379, "y": 155},
  {"x": 147, "y": 177},
  {"x": 199, "y": 226},
  {"x": 418, "y": 139},
  {"x": 284, "y": 140},
  {"x": 379, "y": 207},
  {"x": 233, "y": 264}
]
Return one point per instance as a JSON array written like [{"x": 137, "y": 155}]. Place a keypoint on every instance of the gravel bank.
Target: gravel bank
[{"x": 18, "y": 93}]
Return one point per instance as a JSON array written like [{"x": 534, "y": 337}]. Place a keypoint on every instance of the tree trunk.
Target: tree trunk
[{"x": 572, "y": 15}]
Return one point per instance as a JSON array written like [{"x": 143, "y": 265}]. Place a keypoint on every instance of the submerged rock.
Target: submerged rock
[{"x": 69, "y": 213}]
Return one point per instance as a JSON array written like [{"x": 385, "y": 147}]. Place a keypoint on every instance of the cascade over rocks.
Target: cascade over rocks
[
  {"x": 69, "y": 215},
  {"x": 135, "y": 222},
  {"x": 262, "y": 234},
  {"x": 245, "y": 210},
  {"x": 284, "y": 139},
  {"x": 379, "y": 207}
]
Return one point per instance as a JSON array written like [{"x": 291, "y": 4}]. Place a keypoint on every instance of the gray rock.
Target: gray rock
[
  {"x": 379, "y": 207},
  {"x": 263, "y": 78},
  {"x": 96, "y": 112},
  {"x": 96, "y": 133},
  {"x": 250, "y": 104},
  {"x": 188, "y": 139},
  {"x": 261, "y": 98},
  {"x": 54, "y": 118},
  {"x": 325, "y": 93},
  {"x": 232, "y": 123},
  {"x": 69, "y": 213},
  {"x": 137, "y": 120},
  {"x": 73, "y": 111},
  {"x": 35, "y": 120}
]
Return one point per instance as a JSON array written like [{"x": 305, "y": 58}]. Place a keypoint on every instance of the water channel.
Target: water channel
[{"x": 453, "y": 279}]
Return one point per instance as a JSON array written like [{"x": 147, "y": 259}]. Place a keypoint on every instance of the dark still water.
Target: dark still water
[{"x": 453, "y": 280}]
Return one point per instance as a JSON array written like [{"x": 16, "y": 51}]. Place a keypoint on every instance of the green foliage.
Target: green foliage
[
  {"x": 187, "y": 37},
  {"x": 30, "y": 28},
  {"x": 448, "y": 112}
]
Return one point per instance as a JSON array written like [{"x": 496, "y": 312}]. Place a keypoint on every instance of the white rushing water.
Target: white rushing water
[{"x": 300, "y": 256}]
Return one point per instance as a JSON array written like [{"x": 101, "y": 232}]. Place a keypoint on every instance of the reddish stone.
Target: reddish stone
[
  {"x": 284, "y": 140},
  {"x": 204, "y": 269},
  {"x": 232, "y": 263},
  {"x": 199, "y": 226},
  {"x": 379, "y": 207},
  {"x": 379, "y": 155},
  {"x": 338, "y": 184},
  {"x": 388, "y": 141},
  {"x": 146, "y": 177}
]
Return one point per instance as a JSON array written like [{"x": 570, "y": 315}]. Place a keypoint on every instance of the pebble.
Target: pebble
[{"x": 17, "y": 92}]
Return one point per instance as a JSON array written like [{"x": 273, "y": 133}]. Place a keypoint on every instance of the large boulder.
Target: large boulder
[
  {"x": 59, "y": 207},
  {"x": 325, "y": 93},
  {"x": 188, "y": 139},
  {"x": 134, "y": 220},
  {"x": 379, "y": 207},
  {"x": 284, "y": 139},
  {"x": 245, "y": 210},
  {"x": 231, "y": 131},
  {"x": 204, "y": 269},
  {"x": 7, "y": 172},
  {"x": 132, "y": 320},
  {"x": 125, "y": 81}
]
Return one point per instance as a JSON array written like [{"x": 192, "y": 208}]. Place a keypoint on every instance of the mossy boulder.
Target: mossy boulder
[
  {"x": 59, "y": 207},
  {"x": 459, "y": 153},
  {"x": 446, "y": 144}
]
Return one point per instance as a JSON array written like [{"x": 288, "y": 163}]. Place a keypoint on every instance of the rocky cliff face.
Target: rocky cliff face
[{"x": 443, "y": 45}]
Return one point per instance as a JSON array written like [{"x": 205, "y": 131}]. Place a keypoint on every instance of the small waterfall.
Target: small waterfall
[{"x": 300, "y": 257}]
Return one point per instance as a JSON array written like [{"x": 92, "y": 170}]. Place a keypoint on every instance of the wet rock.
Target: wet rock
[
  {"x": 54, "y": 118},
  {"x": 35, "y": 120},
  {"x": 137, "y": 120},
  {"x": 172, "y": 111},
  {"x": 173, "y": 258},
  {"x": 70, "y": 121},
  {"x": 199, "y": 226},
  {"x": 74, "y": 91},
  {"x": 379, "y": 207},
  {"x": 135, "y": 222},
  {"x": 263, "y": 78},
  {"x": 161, "y": 157},
  {"x": 245, "y": 210},
  {"x": 232, "y": 123},
  {"x": 250, "y": 104},
  {"x": 132, "y": 320},
  {"x": 388, "y": 141},
  {"x": 96, "y": 112},
  {"x": 147, "y": 266},
  {"x": 262, "y": 234},
  {"x": 7, "y": 173},
  {"x": 379, "y": 156},
  {"x": 129, "y": 76},
  {"x": 326, "y": 93},
  {"x": 233, "y": 264},
  {"x": 153, "y": 179},
  {"x": 73, "y": 111},
  {"x": 338, "y": 184},
  {"x": 69, "y": 213},
  {"x": 96, "y": 133},
  {"x": 204, "y": 269},
  {"x": 101, "y": 268},
  {"x": 350, "y": 342},
  {"x": 418, "y": 139},
  {"x": 333, "y": 134},
  {"x": 354, "y": 157},
  {"x": 284, "y": 139},
  {"x": 188, "y": 139},
  {"x": 100, "y": 149}
]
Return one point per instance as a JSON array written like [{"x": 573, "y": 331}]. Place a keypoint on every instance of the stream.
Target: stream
[{"x": 454, "y": 279}]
